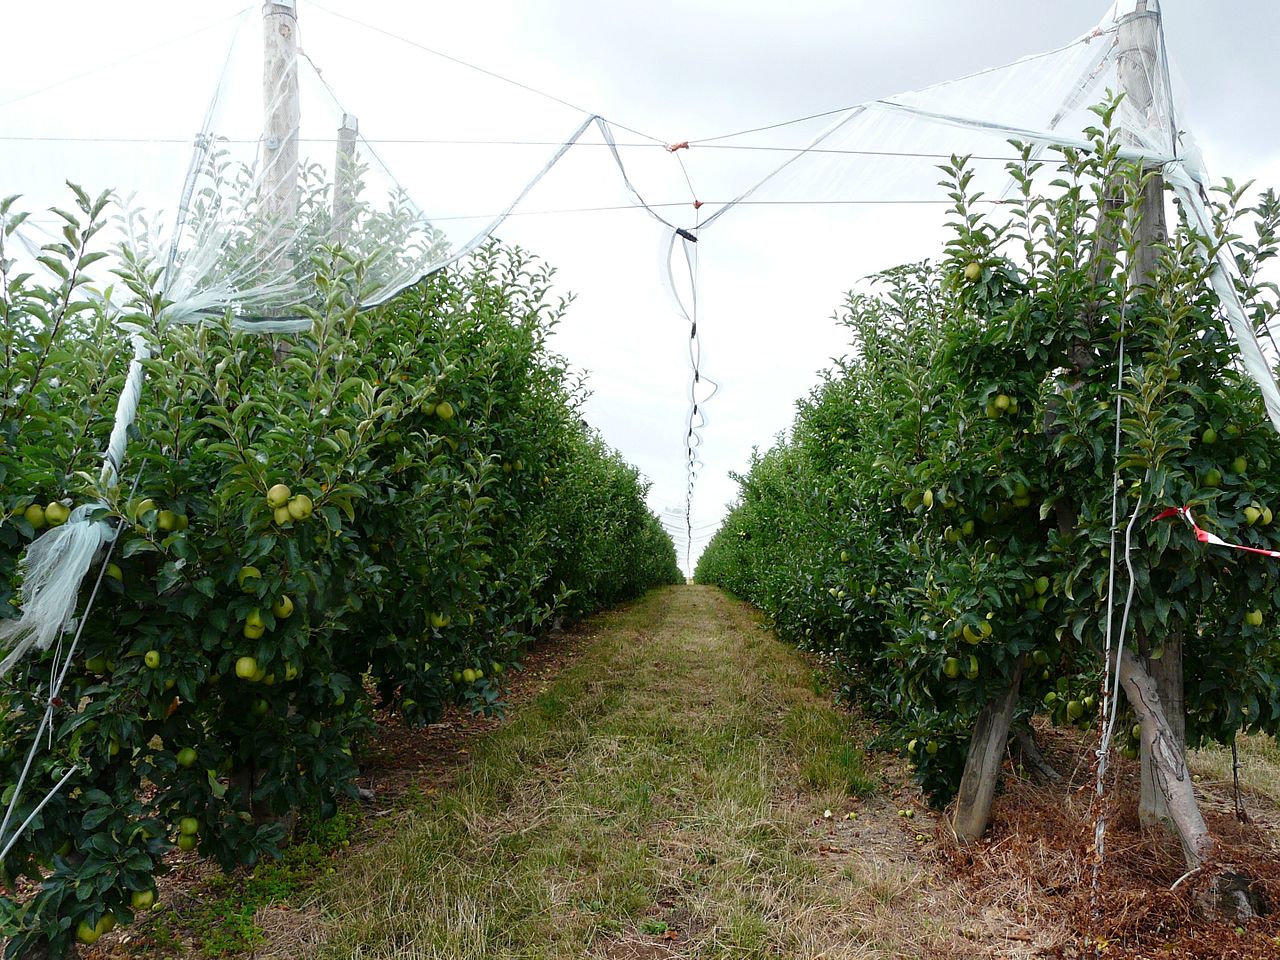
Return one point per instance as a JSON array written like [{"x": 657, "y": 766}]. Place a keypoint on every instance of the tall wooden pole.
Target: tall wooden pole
[
  {"x": 344, "y": 177},
  {"x": 1138, "y": 39},
  {"x": 1139, "y": 67},
  {"x": 282, "y": 110}
]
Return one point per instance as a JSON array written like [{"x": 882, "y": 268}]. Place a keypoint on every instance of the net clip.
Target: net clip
[
  {"x": 685, "y": 234},
  {"x": 673, "y": 147}
]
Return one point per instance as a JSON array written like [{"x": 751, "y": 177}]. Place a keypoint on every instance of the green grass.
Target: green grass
[
  {"x": 665, "y": 781},
  {"x": 221, "y": 919}
]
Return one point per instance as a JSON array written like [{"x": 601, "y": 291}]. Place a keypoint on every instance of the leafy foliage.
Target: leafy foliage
[
  {"x": 942, "y": 511},
  {"x": 445, "y": 501}
]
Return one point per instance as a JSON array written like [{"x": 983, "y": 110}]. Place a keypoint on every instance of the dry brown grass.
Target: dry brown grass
[
  {"x": 1037, "y": 862},
  {"x": 664, "y": 797}
]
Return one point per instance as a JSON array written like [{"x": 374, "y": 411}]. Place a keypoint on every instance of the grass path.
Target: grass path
[{"x": 663, "y": 797}]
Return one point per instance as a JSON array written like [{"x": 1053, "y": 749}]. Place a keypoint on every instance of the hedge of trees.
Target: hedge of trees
[
  {"x": 382, "y": 511},
  {"x": 940, "y": 519}
]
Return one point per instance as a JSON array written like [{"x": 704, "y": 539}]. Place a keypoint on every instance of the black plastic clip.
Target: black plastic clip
[{"x": 682, "y": 232}]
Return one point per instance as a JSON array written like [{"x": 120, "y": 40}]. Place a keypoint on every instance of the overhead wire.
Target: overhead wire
[
  {"x": 471, "y": 66},
  {"x": 1087, "y": 38},
  {"x": 92, "y": 71}
]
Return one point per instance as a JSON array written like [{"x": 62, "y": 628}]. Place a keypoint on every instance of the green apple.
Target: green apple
[
  {"x": 1238, "y": 465},
  {"x": 439, "y": 621},
  {"x": 246, "y": 668},
  {"x": 1253, "y": 618},
  {"x": 248, "y": 578},
  {"x": 187, "y": 757},
  {"x": 300, "y": 507},
  {"x": 186, "y": 843},
  {"x": 278, "y": 496},
  {"x": 86, "y": 934},
  {"x": 142, "y": 900},
  {"x": 283, "y": 607},
  {"x": 1212, "y": 478},
  {"x": 167, "y": 521},
  {"x": 34, "y": 515},
  {"x": 1040, "y": 658},
  {"x": 1210, "y": 435},
  {"x": 444, "y": 410},
  {"x": 152, "y": 659},
  {"x": 1252, "y": 515},
  {"x": 142, "y": 508},
  {"x": 469, "y": 675},
  {"x": 972, "y": 271},
  {"x": 189, "y": 826},
  {"x": 1041, "y": 584},
  {"x": 56, "y": 514},
  {"x": 927, "y": 499},
  {"x": 114, "y": 572},
  {"x": 951, "y": 667},
  {"x": 1075, "y": 710},
  {"x": 1002, "y": 402}
]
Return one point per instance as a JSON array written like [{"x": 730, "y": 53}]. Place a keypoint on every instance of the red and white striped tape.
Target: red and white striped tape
[{"x": 1204, "y": 536}]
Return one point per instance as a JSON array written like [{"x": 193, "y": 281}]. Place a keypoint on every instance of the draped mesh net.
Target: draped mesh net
[{"x": 276, "y": 157}]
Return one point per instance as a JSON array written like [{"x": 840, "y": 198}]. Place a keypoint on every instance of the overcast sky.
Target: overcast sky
[{"x": 770, "y": 277}]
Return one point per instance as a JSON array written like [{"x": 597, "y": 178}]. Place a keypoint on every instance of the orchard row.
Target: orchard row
[
  {"x": 939, "y": 522},
  {"x": 380, "y": 512}
]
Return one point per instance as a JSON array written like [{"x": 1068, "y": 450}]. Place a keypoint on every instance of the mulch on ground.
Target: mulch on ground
[{"x": 1038, "y": 860}]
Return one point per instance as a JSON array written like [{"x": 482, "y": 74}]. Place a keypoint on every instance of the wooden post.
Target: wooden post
[
  {"x": 344, "y": 178},
  {"x": 1138, "y": 38},
  {"x": 282, "y": 111}
]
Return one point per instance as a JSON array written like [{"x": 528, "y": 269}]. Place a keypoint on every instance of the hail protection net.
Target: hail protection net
[{"x": 243, "y": 147}]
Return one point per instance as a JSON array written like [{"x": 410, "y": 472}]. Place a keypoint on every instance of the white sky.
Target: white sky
[{"x": 771, "y": 275}]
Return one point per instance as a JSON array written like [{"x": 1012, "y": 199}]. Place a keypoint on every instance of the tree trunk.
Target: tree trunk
[
  {"x": 1168, "y": 763},
  {"x": 986, "y": 757},
  {"x": 1166, "y": 671},
  {"x": 1030, "y": 757}
]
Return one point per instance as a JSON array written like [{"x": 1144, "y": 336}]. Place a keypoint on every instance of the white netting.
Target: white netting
[{"x": 412, "y": 157}]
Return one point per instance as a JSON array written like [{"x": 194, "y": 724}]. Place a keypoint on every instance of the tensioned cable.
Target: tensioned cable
[
  {"x": 36, "y": 221},
  {"x": 414, "y": 141},
  {"x": 471, "y": 66},
  {"x": 1087, "y": 38},
  {"x": 125, "y": 59}
]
